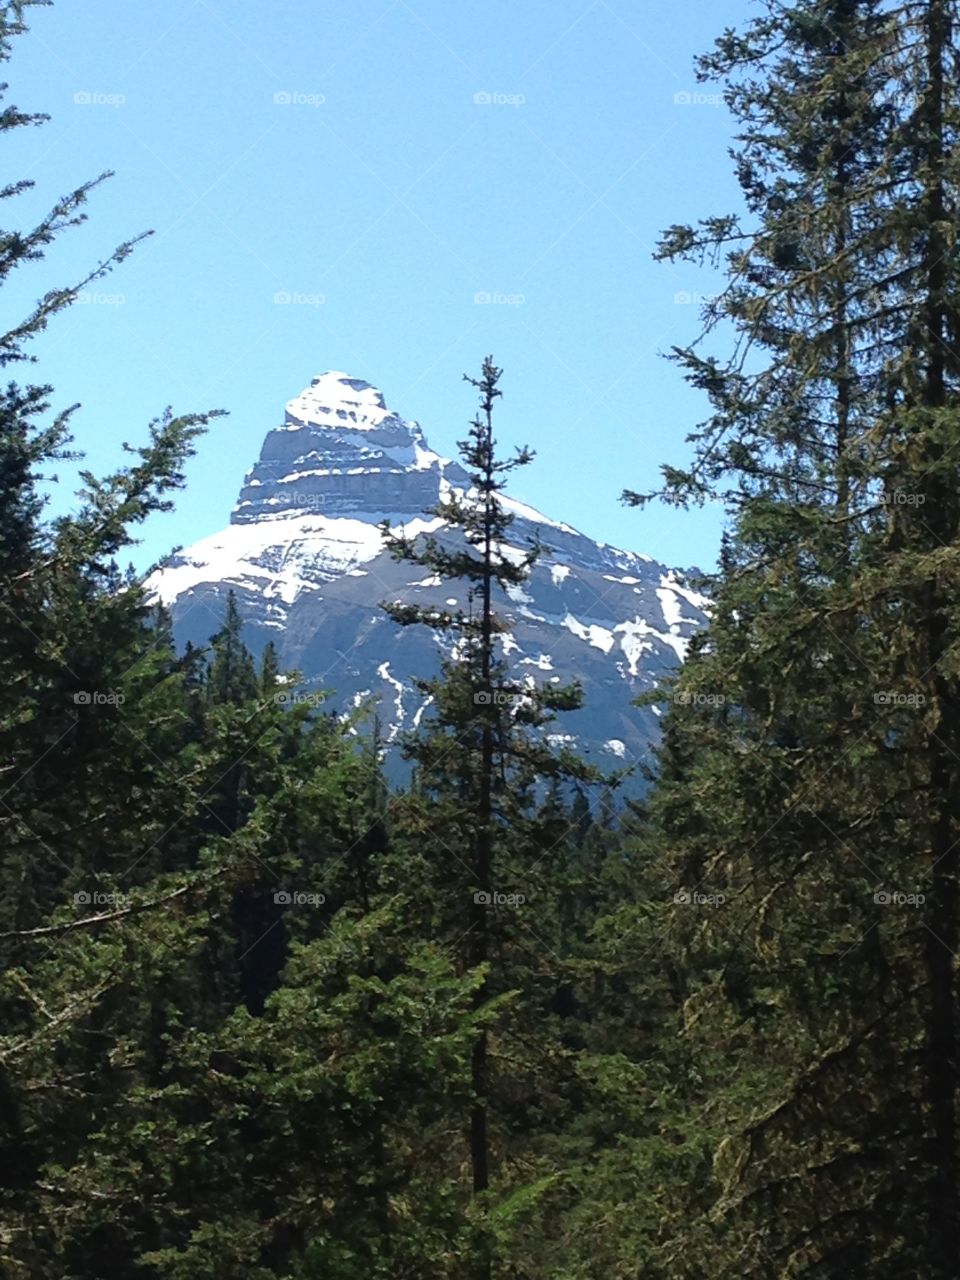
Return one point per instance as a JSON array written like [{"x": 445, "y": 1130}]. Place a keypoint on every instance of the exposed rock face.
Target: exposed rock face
[
  {"x": 342, "y": 452},
  {"x": 304, "y": 556}
]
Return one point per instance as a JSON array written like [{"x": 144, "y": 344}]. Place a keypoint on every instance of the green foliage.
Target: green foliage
[
  {"x": 808, "y": 766},
  {"x": 263, "y": 1018}
]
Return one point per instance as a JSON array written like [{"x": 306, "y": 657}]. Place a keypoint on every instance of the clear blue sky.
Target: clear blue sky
[{"x": 384, "y": 187}]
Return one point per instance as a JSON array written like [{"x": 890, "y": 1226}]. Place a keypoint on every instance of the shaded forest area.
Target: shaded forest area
[{"x": 262, "y": 1018}]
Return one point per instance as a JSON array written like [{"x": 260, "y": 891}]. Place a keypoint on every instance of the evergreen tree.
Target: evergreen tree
[
  {"x": 269, "y": 670},
  {"x": 808, "y": 772},
  {"x": 231, "y": 678},
  {"x": 473, "y": 818}
]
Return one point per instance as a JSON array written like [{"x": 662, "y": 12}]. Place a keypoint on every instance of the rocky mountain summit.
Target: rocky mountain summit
[
  {"x": 342, "y": 451},
  {"x": 304, "y": 556}
]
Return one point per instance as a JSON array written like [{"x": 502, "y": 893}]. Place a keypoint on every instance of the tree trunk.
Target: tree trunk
[{"x": 479, "y": 1137}]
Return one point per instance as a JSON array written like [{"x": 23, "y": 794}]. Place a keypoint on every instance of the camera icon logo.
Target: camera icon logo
[
  {"x": 482, "y": 899},
  {"x": 682, "y": 897},
  {"x": 83, "y": 698},
  {"x": 82, "y": 899},
  {"x": 283, "y": 898},
  {"x": 283, "y": 98}
]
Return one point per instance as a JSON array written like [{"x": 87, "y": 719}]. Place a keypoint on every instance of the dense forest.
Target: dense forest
[{"x": 266, "y": 1017}]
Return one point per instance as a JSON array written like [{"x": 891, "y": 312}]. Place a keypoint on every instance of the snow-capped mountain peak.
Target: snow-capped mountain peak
[
  {"x": 341, "y": 451},
  {"x": 305, "y": 557},
  {"x": 334, "y": 399}
]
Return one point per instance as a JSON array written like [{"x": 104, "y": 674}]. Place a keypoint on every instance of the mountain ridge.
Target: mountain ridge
[{"x": 304, "y": 555}]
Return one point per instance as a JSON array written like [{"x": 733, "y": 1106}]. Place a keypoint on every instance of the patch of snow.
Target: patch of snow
[
  {"x": 334, "y": 399},
  {"x": 617, "y": 747},
  {"x": 514, "y": 554},
  {"x": 598, "y": 636},
  {"x": 524, "y": 512},
  {"x": 301, "y": 475},
  {"x": 543, "y": 662},
  {"x": 669, "y": 593},
  {"x": 559, "y": 572},
  {"x": 692, "y": 597},
  {"x": 635, "y": 642},
  {"x": 383, "y": 671},
  {"x": 280, "y": 558},
  {"x": 677, "y": 643},
  {"x": 420, "y": 710},
  {"x": 672, "y": 613}
]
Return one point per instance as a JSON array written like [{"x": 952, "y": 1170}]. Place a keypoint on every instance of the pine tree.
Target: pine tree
[
  {"x": 269, "y": 670},
  {"x": 199, "y": 1076},
  {"x": 94, "y": 757},
  {"x": 809, "y": 767},
  {"x": 483, "y": 755}
]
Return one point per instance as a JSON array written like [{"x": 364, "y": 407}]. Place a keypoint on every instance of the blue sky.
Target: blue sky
[{"x": 382, "y": 162}]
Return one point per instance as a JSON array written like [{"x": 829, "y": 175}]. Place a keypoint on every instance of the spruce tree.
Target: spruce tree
[
  {"x": 480, "y": 760},
  {"x": 808, "y": 774}
]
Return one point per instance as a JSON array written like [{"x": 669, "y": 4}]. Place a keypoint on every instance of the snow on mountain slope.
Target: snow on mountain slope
[
  {"x": 310, "y": 550},
  {"x": 335, "y": 400},
  {"x": 304, "y": 555}
]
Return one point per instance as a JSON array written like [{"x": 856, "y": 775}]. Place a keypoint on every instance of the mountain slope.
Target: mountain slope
[{"x": 304, "y": 555}]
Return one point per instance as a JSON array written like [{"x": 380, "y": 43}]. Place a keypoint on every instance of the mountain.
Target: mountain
[{"x": 304, "y": 556}]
